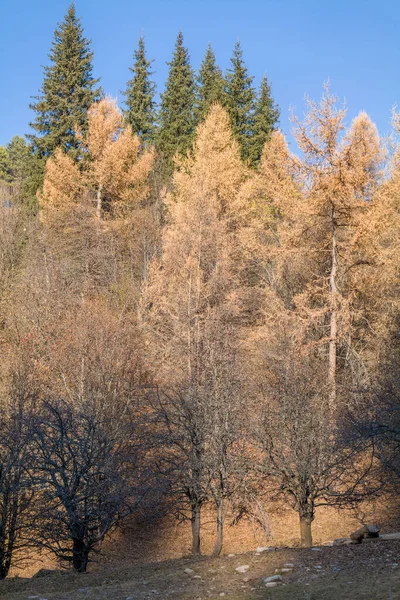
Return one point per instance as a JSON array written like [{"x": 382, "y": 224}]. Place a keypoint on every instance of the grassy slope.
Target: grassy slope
[{"x": 334, "y": 573}]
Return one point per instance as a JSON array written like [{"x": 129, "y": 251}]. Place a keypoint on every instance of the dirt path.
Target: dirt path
[{"x": 368, "y": 571}]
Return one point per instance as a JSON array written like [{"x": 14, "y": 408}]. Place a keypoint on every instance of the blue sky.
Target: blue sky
[{"x": 299, "y": 44}]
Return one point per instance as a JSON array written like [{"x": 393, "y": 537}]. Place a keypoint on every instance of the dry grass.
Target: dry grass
[{"x": 363, "y": 572}]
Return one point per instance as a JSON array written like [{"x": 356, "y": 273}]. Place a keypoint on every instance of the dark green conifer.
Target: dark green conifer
[
  {"x": 19, "y": 154},
  {"x": 5, "y": 166},
  {"x": 266, "y": 119},
  {"x": 140, "y": 90},
  {"x": 210, "y": 85},
  {"x": 240, "y": 100},
  {"x": 67, "y": 92},
  {"x": 176, "y": 116}
]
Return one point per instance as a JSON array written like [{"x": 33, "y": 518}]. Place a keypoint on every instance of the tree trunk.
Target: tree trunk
[
  {"x": 305, "y": 531},
  {"x": 99, "y": 199},
  {"x": 220, "y": 531},
  {"x": 196, "y": 530},
  {"x": 333, "y": 323},
  {"x": 4, "y": 564},
  {"x": 80, "y": 556}
]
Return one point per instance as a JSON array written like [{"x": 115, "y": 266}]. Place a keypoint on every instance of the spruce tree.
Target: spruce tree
[
  {"x": 19, "y": 154},
  {"x": 176, "y": 117},
  {"x": 68, "y": 90},
  {"x": 240, "y": 100},
  {"x": 210, "y": 85},
  {"x": 140, "y": 90},
  {"x": 266, "y": 118},
  {"x": 5, "y": 166}
]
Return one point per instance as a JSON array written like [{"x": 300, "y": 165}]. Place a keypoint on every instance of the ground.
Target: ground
[{"x": 366, "y": 571}]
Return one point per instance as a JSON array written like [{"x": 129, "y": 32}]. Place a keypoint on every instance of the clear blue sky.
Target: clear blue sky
[{"x": 298, "y": 44}]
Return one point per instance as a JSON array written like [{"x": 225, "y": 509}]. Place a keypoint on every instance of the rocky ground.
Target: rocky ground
[{"x": 370, "y": 570}]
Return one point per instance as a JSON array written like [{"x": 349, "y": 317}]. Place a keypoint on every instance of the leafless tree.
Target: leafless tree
[
  {"x": 17, "y": 509},
  {"x": 200, "y": 428},
  {"x": 306, "y": 459},
  {"x": 86, "y": 473}
]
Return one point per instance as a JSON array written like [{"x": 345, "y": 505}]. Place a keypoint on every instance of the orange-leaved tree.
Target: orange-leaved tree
[
  {"x": 114, "y": 167},
  {"x": 186, "y": 310}
]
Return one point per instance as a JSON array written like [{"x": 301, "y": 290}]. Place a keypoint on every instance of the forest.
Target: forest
[{"x": 193, "y": 318}]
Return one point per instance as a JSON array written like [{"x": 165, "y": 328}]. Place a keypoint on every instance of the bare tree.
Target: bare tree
[
  {"x": 86, "y": 463},
  {"x": 201, "y": 435},
  {"x": 304, "y": 459},
  {"x": 17, "y": 510}
]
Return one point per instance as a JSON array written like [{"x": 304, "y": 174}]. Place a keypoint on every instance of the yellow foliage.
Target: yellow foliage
[
  {"x": 62, "y": 184},
  {"x": 114, "y": 166}
]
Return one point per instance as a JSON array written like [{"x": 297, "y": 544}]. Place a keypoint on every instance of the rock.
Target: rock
[
  {"x": 197, "y": 577},
  {"x": 359, "y": 535},
  {"x": 188, "y": 571},
  {"x": 264, "y": 549},
  {"x": 373, "y": 530},
  {"x": 291, "y": 565},
  {"x": 286, "y": 570},
  {"x": 272, "y": 584},
  {"x": 316, "y": 549},
  {"x": 231, "y": 555},
  {"x": 242, "y": 569},
  {"x": 390, "y": 536},
  {"x": 222, "y": 594},
  {"x": 273, "y": 579}
]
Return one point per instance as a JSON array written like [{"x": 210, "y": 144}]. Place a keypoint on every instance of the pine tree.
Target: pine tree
[
  {"x": 266, "y": 118},
  {"x": 67, "y": 92},
  {"x": 240, "y": 100},
  {"x": 139, "y": 94},
  {"x": 210, "y": 85},
  {"x": 176, "y": 118}
]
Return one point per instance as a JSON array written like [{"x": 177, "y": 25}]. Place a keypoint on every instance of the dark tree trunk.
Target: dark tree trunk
[
  {"x": 80, "y": 556},
  {"x": 196, "y": 530},
  {"x": 4, "y": 566},
  {"x": 305, "y": 530},
  {"x": 5, "y": 561}
]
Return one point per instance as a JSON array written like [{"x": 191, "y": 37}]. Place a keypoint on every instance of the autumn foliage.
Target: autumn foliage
[{"x": 235, "y": 325}]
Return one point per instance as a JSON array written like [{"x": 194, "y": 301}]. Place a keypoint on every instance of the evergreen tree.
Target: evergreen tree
[
  {"x": 266, "y": 118},
  {"x": 139, "y": 94},
  {"x": 240, "y": 100},
  {"x": 210, "y": 85},
  {"x": 19, "y": 154},
  {"x": 67, "y": 92},
  {"x": 5, "y": 166},
  {"x": 176, "y": 117}
]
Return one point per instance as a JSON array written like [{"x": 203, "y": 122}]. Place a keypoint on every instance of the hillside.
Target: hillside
[{"x": 366, "y": 571}]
